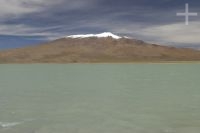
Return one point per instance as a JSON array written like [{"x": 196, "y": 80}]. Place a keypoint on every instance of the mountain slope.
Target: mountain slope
[{"x": 97, "y": 49}]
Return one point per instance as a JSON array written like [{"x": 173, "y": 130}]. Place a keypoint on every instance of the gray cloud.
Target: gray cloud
[{"x": 153, "y": 21}]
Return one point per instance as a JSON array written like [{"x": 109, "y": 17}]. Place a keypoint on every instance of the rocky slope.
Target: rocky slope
[{"x": 94, "y": 49}]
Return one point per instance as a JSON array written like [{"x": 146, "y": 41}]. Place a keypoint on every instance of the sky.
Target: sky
[{"x": 28, "y": 22}]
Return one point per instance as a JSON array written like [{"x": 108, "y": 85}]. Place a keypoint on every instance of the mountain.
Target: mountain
[{"x": 94, "y": 48}]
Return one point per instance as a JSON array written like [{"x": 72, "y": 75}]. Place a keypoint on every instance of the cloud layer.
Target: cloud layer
[{"x": 153, "y": 21}]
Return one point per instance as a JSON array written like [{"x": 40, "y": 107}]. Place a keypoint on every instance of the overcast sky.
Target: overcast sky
[{"x": 24, "y": 22}]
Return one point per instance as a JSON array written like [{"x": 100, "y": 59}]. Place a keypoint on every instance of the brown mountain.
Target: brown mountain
[{"x": 93, "y": 49}]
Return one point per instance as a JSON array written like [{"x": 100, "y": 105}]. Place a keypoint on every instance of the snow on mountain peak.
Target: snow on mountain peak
[{"x": 101, "y": 35}]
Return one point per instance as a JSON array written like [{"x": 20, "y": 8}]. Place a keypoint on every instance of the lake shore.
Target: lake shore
[{"x": 134, "y": 62}]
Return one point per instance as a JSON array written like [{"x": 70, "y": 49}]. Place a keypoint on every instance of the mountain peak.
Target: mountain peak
[
  {"x": 101, "y": 35},
  {"x": 97, "y": 51}
]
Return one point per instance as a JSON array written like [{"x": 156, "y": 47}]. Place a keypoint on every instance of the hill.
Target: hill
[{"x": 95, "y": 49}]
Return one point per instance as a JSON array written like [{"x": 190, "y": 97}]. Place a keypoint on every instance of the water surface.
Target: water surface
[{"x": 100, "y": 98}]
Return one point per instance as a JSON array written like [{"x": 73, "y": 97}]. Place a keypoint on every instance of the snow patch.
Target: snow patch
[{"x": 101, "y": 35}]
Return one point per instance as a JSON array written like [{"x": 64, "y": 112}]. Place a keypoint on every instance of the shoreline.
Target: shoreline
[{"x": 136, "y": 62}]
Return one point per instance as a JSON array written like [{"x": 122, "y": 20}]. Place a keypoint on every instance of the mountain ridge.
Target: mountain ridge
[{"x": 97, "y": 50}]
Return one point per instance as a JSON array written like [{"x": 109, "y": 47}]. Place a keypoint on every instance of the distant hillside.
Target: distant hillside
[{"x": 95, "y": 49}]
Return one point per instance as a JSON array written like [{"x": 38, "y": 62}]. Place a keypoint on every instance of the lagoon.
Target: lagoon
[{"x": 100, "y": 98}]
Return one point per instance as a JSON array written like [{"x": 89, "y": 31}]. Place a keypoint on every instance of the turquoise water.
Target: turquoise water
[{"x": 100, "y": 98}]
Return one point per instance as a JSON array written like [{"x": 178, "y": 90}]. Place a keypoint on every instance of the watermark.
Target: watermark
[{"x": 187, "y": 14}]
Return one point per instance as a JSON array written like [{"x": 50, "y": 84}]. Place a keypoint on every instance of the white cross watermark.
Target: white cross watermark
[{"x": 187, "y": 14}]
